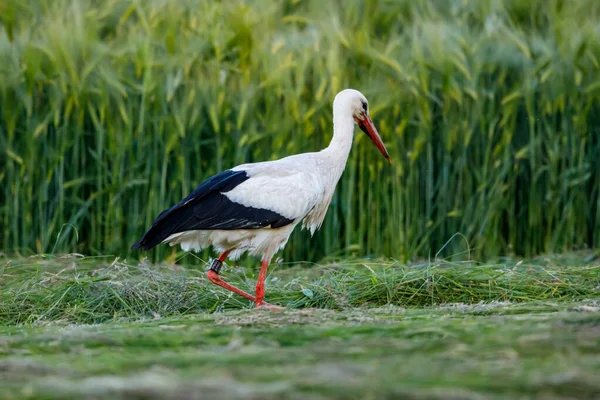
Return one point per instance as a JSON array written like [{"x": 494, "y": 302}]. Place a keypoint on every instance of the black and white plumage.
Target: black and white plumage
[
  {"x": 208, "y": 208},
  {"x": 255, "y": 207}
]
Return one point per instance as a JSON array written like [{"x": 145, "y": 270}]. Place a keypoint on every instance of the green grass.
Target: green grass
[
  {"x": 496, "y": 351},
  {"x": 112, "y": 111},
  {"x": 103, "y": 328},
  {"x": 96, "y": 290}
]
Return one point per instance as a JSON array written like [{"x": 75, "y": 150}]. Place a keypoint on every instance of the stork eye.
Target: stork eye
[{"x": 364, "y": 104}]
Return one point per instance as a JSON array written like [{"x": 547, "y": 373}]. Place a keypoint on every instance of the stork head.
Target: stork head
[{"x": 355, "y": 103}]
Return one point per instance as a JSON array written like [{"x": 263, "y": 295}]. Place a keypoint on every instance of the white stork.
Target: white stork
[{"x": 255, "y": 207}]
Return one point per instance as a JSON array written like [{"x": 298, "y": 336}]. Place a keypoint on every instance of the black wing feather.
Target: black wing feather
[{"x": 207, "y": 208}]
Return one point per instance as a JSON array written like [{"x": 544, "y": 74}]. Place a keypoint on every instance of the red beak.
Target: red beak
[{"x": 366, "y": 125}]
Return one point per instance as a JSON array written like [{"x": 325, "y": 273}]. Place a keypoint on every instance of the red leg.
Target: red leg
[
  {"x": 260, "y": 283},
  {"x": 213, "y": 275}
]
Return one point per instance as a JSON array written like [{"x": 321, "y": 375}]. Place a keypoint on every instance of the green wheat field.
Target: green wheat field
[{"x": 467, "y": 269}]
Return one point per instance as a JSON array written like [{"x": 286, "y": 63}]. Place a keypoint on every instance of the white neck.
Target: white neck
[
  {"x": 331, "y": 161},
  {"x": 341, "y": 143}
]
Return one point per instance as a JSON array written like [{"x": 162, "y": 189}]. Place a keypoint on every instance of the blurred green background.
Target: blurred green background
[{"x": 112, "y": 111}]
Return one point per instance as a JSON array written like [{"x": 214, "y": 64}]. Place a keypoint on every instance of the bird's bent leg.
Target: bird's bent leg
[
  {"x": 213, "y": 276},
  {"x": 260, "y": 283}
]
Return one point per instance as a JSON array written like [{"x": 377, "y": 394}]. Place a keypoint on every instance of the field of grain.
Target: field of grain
[{"x": 109, "y": 114}]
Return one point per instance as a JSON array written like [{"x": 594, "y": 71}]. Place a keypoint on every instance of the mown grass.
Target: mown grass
[
  {"x": 74, "y": 326},
  {"x": 549, "y": 351},
  {"x": 112, "y": 111},
  {"x": 94, "y": 290}
]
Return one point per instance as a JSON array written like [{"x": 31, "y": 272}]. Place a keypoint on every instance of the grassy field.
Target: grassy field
[
  {"x": 106, "y": 328},
  {"x": 112, "y": 111}
]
